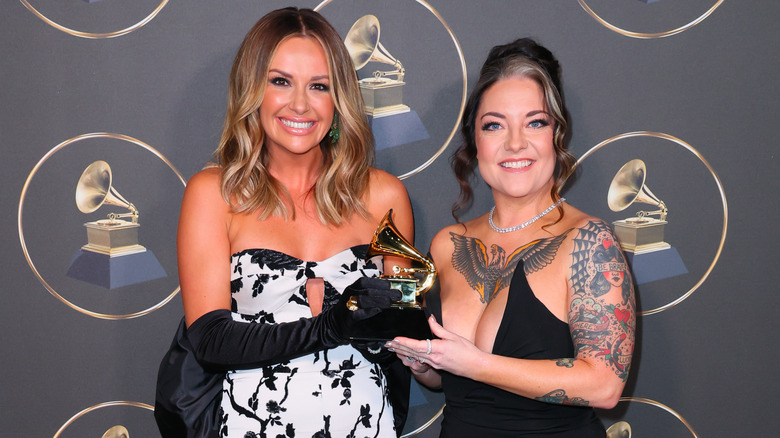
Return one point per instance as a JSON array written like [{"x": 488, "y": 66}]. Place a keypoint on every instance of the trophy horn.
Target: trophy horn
[
  {"x": 363, "y": 45},
  {"x": 94, "y": 189},
  {"x": 628, "y": 186},
  {"x": 621, "y": 429},
  {"x": 117, "y": 432},
  {"x": 388, "y": 241}
]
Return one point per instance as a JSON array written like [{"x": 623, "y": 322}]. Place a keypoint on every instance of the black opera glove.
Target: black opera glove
[{"x": 222, "y": 344}]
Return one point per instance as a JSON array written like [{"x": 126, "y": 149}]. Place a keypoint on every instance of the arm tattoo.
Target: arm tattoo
[
  {"x": 488, "y": 274},
  {"x": 559, "y": 396},
  {"x": 601, "y": 328}
]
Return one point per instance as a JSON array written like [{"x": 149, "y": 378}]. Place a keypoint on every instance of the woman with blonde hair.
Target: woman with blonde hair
[
  {"x": 535, "y": 316},
  {"x": 272, "y": 242}
]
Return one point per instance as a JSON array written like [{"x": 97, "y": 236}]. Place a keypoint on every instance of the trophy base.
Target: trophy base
[
  {"x": 409, "y": 322},
  {"x": 113, "y": 272},
  {"x": 397, "y": 130},
  {"x": 655, "y": 265}
]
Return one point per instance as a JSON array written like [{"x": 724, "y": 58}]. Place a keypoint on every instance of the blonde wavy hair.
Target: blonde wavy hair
[{"x": 247, "y": 185}]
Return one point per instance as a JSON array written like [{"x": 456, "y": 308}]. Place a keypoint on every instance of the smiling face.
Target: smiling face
[
  {"x": 514, "y": 138},
  {"x": 297, "y": 108}
]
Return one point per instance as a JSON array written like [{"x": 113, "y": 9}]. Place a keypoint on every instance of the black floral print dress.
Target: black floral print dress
[{"x": 330, "y": 393}]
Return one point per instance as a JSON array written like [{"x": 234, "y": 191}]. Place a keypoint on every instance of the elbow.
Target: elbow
[{"x": 608, "y": 396}]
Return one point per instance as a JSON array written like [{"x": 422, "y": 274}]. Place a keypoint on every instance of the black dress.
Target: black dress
[{"x": 528, "y": 331}]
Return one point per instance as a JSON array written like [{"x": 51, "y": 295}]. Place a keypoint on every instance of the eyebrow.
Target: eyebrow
[
  {"x": 288, "y": 75},
  {"x": 502, "y": 116}
]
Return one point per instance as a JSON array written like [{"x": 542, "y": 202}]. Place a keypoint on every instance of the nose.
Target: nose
[
  {"x": 299, "y": 102},
  {"x": 516, "y": 141}
]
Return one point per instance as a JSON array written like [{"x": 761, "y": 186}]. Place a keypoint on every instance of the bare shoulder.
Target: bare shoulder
[
  {"x": 205, "y": 182},
  {"x": 386, "y": 192},
  {"x": 575, "y": 219},
  {"x": 383, "y": 186},
  {"x": 442, "y": 244},
  {"x": 204, "y": 192}
]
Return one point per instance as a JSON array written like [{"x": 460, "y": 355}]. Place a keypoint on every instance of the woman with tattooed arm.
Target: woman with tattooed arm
[{"x": 535, "y": 313}]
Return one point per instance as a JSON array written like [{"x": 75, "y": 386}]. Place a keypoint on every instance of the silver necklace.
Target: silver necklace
[{"x": 524, "y": 224}]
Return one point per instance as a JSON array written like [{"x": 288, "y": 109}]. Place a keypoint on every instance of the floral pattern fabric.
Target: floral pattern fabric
[{"x": 330, "y": 393}]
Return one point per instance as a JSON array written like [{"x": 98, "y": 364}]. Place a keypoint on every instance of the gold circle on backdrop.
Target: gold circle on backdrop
[
  {"x": 91, "y": 35},
  {"x": 101, "y": 406},
  {"x": 645, "y": 35},
  {"x": 426, "y": 425},
  {"x": 462, "y": 60},
  {"x": 21, "y": 231},
  {"x": 698, "y": 155},
  {"x": 662, "y": 406}
]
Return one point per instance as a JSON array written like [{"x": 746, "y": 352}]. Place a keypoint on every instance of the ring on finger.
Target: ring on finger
[
  {"x": 421, "y": 360},
  {"x": 429, "y": 346}
]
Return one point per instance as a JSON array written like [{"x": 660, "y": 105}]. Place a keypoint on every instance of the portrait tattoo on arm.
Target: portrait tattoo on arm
[
  {"x": 601, "y": 325},
  {"x": 489, "y": 273}
]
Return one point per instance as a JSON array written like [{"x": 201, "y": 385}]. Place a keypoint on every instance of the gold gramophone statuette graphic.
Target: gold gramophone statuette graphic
[
  {"x": 112, "y": 256},
  {"x": 405, "y": 317},
  {"x": 639, "y": 234},
  {"x": 114, "y": 235},
  {"x": 383, "y": 96}
]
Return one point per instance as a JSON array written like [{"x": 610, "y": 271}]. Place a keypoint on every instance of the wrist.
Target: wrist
[{"x": 422, "y": 370}]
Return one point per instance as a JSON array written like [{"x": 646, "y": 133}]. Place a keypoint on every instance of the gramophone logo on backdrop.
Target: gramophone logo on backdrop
[
  {"x": 642, "y": 236},
  {"x": 392, "y": 122},
  {"x": 112, "y": 256}
]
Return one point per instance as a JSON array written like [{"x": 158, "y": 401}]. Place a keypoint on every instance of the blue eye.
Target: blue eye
[
  {"x": 491, "y": 126},
  {"x": 540, "y": 123}
]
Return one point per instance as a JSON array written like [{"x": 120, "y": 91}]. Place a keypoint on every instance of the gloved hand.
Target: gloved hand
[
  {"x": 371, "y": 295},
  {"x": 221, "y": 344}
]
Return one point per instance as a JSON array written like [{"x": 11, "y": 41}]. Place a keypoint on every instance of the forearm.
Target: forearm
[
  {"x": 561, "y": 381},
  {"x": 220, "y": 343}
]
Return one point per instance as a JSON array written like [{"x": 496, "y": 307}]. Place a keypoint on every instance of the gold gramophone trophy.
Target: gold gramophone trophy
[
  {"x": 113, "y": 236},
  {"x": 383, "y": 96},
  {"x": 639, "y": 234},
  {"x": 112, "y": 256},
  {"x": 405, "y": 317}
]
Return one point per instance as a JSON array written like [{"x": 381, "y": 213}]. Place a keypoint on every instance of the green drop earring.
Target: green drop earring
[{"x": 334, "y": 129}]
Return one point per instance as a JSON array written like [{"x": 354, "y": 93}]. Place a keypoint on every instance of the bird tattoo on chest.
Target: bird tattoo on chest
[{"x": 487, "y": 271}]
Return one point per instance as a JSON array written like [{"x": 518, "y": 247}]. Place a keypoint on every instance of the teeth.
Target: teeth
[
  {"x": 516, "y": 164},
  {"x": 297, "y": 125}
]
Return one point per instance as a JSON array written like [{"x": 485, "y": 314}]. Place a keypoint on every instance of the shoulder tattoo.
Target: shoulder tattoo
[{"x": 600, "y": 327}]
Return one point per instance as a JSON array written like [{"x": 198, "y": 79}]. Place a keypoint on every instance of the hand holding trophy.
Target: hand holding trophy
[{"x": 404, "y": 317}]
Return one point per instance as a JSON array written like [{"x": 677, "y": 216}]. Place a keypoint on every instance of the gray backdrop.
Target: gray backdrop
[{"x": 702, "y": 94}]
